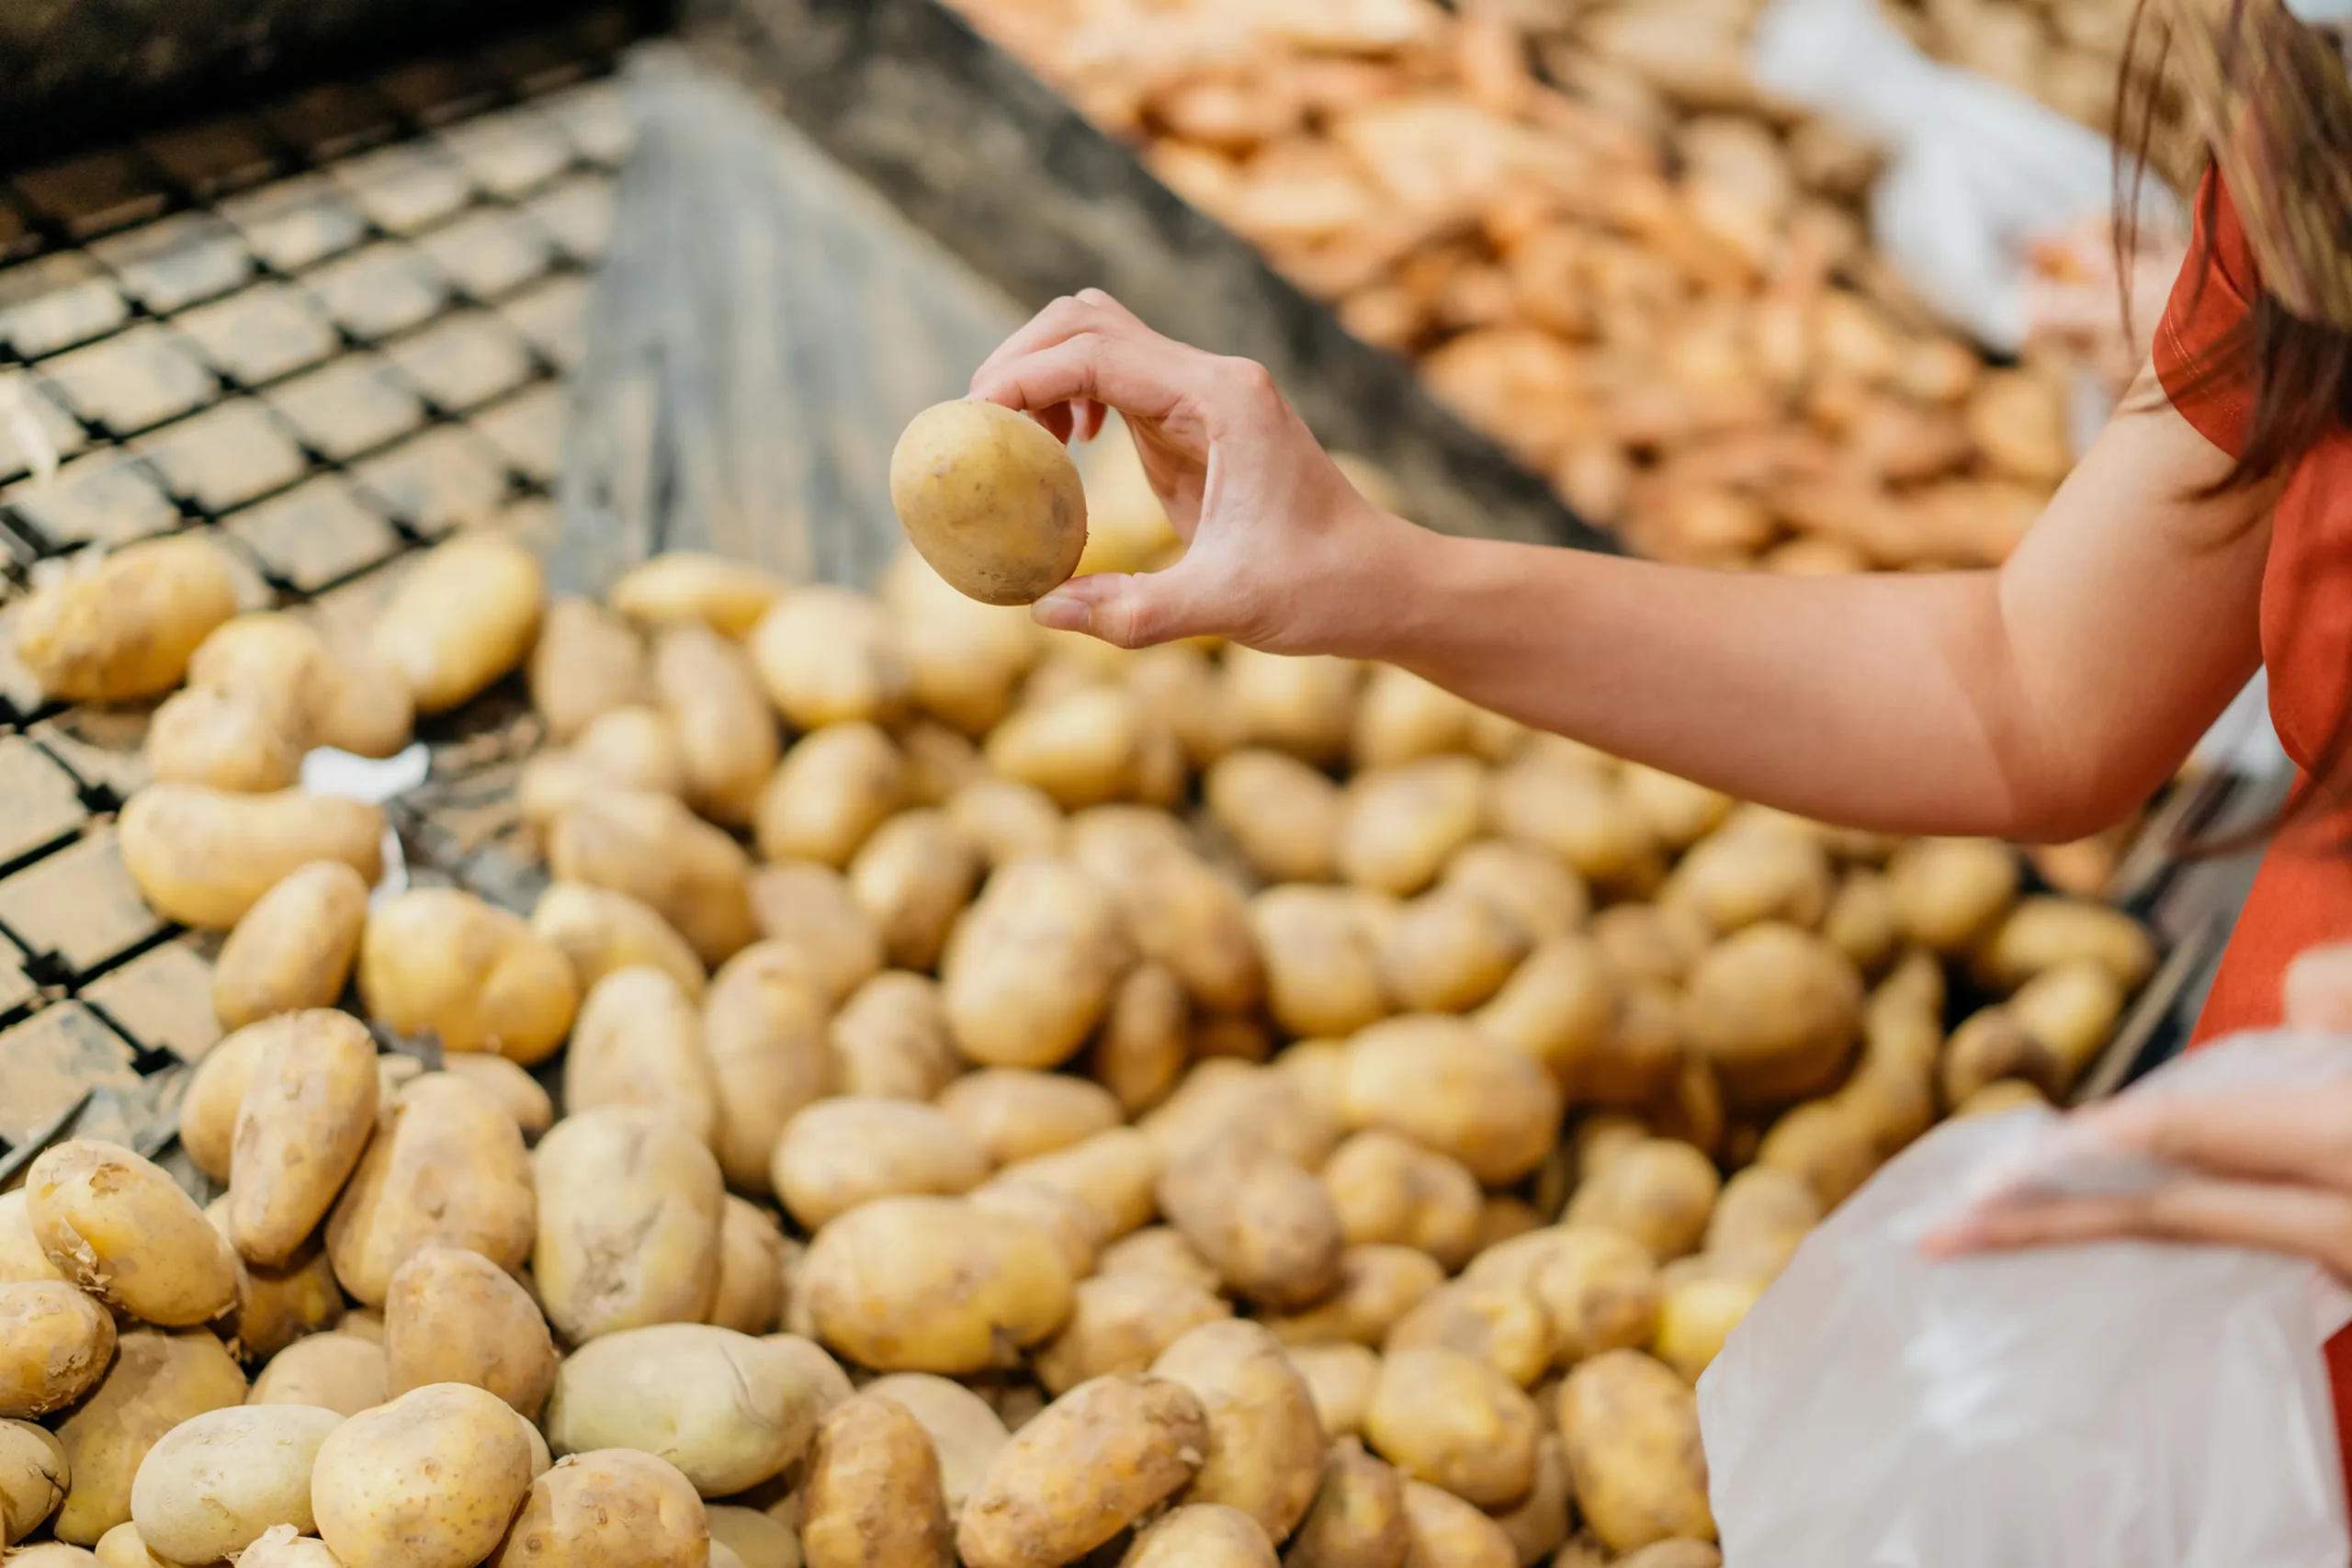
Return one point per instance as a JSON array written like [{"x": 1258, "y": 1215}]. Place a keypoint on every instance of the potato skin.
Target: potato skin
[
  {"x": 159, "y": 1380},
  {"x": 307, "y": 1112},
  {"x": 1660, "y": 1191},
  {"x": 1014, "y": 1115},
  {"x": 1267, "y": 1226},
  {"x": 453, "y": 1317},
  {"x": 215, "y": 1090},
  {"x": 651, "y": 848},
  {"x": 834, "y": 789},
  {"x": 629, "y": 1223},
  {"x": 1201, "y": 1533},
  {"x": 1444, "y": 1531},
  {"x": 1439, "y": 1082},
  {"x": 830, "y": 656},
  {"x": 212, "y": 1485},
  {"x": 1282, "y": 814},
  {"x": 727, "y": 737},
  {"x": 730, "y": 1411},
  {"x": 1112, "y": 1173},
  {"x": 873, "y": 1494},
  {"x": 1598, "y": 1288},
  {"x": 1086, "y": 1467},
  {"x": 126, "y": 628},
  {"x": 466, "y": 616},
  {"x": 1119, "y": 1323},
  {"x": 1400, "y": 825},
  {"x": 840, "y": 1153},
  {"x": 609, "y": 1508},
  {"x": 1032, "y": 967},
  {"x": 964, "y": 1432},
  {"x": 1775, "y": 1010},
  {"x": 1265, "y": 1444},
  {"x": 929, "y": 1285},
  {"x": 440, "y": 960},
  {"x": 601, "y": 930},
  {"x": 639, "y": 1042},
  {"x": 430, "y": 1480},
  {"x": 55, "y": 1343},
  {"x": 752, "y": 1257},
  {"x": 204, "y": 856},
  {"x": 1340, "y": 1379},
  {"x": 294, "y": 949},
  {"x": 121, "y": 1228},
  {"x": 447, "y": 1165},
  {"x": 1499, "y": 1326},
  {"x": 1443, "y": 1418},
  {"x": 1388, "y": 1189},
  {"x": 681, "y": 586},
  {"x": 914, "y": 878},
  {"x": 1631, "y": 1428},
  {"x": 990, "y": 500},
  {"x": 341, "y": 1372},
  {"x": 1358, "y": 1519},
  {"x": 1379, "y": 1285},
  {"x": 33, "y": 1478},
  {"x": 587, "y": 660}
]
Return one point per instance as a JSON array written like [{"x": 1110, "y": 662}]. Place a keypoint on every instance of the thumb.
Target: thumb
[{"x": 1132, "y": 610}]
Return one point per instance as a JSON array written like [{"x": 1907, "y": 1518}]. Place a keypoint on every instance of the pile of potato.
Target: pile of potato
[{"x": 1023, "y": 1101}]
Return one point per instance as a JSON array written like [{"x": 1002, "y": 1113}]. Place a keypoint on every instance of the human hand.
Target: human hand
[
  {"x": 1282, "y": 553},
  {"x": 2263, "y": 1168}
]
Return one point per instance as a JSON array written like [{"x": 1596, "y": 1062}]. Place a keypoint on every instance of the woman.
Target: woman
[{"x": 2209, "y": 531}]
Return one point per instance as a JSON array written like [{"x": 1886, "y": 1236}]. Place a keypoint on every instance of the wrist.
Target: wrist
[{"x": 1374, "y": 590}]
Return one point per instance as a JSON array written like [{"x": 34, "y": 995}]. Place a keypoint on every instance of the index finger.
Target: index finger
[
  {"x": 1148, "y": 380},
  {"x": 1088, "y": 310}
]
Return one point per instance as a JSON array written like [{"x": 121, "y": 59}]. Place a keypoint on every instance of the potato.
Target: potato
[
  {"x": 233, "y": 740},
  {"x": 1659, "y": 1192},
  {"x": 1184, "y": 686},
  {"x": 587, "y": 660},
  {"x": 1282, "y": 815},
  {"x": 1861, "y": 921},
  {"x": 808, "y": 909},
  {"x": 1441, "y": 1083},
  {"x": 630, "y": 1217},
  {"x": 1200, "y": 1532},
  {"x": 816, "y": 1365},
  {"x": 1340, "y": 1378},
  {"x": 1950, "y": 892},
  {"x": 1180, "y": 911},
  {"x": 430, "y": 1480},
  {"x": 930, "y": 1284},
  {"x": 1697, "y": 1316},
  {"x": 1631, "y": 1428},
  {"x": 1539, "y": 1526},
  {"x": 317, "y": 693},
  {"x": 1763, "y": 1215},
  {"x": 306, "y": 1115},
  {"x": 1403, "y": 718},
  {"x": 1577, "y": 814},
  {"x": 1448, "y": 952},
  {"x": 727, "y": 741},
  {"x": 363, "y": 1322},
  {"x": 639, "y": 1042},
  {"x": 294, "y": 949},
  {"x": 33, "y": 1479},
  {"x": 1322, "y": 959},
  {"x": 1677, "y": 812},
  {"x": 51, "y": 1554},
  {"x": 752, "y": 1261},
  {"x": 1444, "y": 1531},
  {"x": 204, "y": 857},
  {"x": 1317, "y": 1074},
  {"x": 1675, "y": 1555},
  {"x": 1119, "y": 1323},
  {"x": 1032, "y": 968},
  {"x": 1741, "y": 876},
  {"x": 2071, "y": 1009},
  {"x": 1144, "y": 1040},
  {"x": 453, "y": 1317},
  {"x": 1598, "y": 1290},
  {"x": 518, "y": 1093},
  {"x": 1006, "y": 821},
  {"x": 21, "y": 1259},
  {"x": 1498, "y": 1325},
  {"x": 757, "y": 1541},
  {"x": 122, "y": 1547},
  {"x": 1399, "y": 826},
  {"x": 1775, "y": 1012},
  {"x": 447, "y": 1165},
  {"x": 56, "y": 1346},
  {"x": 124, "y": 628},
  {"x": 890, "y": 1039},
  {"x": 1387, "y": 1189},
  {"x": 1450, "y": 1420},
  {"x": 1652, "y": 943},
  {"x": 964, "y": 1432},
  {"x": 835, "y": 787},
  {"x": 1559, "y": 1008},
  {"x": 1991, "y": 1044},
  {"x": 2042, "y": 933},
  {"x": 730, "y": 1411},
  {"x": 212, "y": 1485},
  {"x": 1116, "y": 1174},
  {"x": 1082, "y": 746},
  {"x": 121, "y": 1228},
  {"x": 1013, "y": 1114},
  {"x": 1224, "y": 1097},
  {"x": 439, "y": 961},
  {"x": 914, "y": 878},
  {"x": 1303, "y": 706},
  {"x": 1088, "y": 1465},
  {"x": 1267, "y": 1226},
  {"x": 158, "y": 1380},
  {"x": 1535, "y": 890},
  {"x": 1158, "y": 1250},
  {"x": 762, "y": 1039},
  {"x": 466, "y": 616},
  {"x": 839, "y": 1154},
  {"x": 1378, "y": 1285},
  {"x": 651, "y": 848},
  {"x": 335, "y": 1372},
  {"x": 829, "y": 656},
  {"x": 608, "y": 1508},
  {"x": 629, "y": 748},
  {"x": 990, "y": 500},
  {"x": 874, "y": 1493},
  {"x": 1358, "y": 1518},
  {"x": 966, "y": 658},
  {"x": 684, "y": 586},
  {"x": 599, "y": 931}
]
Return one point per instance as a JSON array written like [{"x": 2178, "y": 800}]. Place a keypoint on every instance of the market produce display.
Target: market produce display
[{"x": 1189, "y": 1105}]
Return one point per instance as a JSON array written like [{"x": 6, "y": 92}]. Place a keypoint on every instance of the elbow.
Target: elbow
[{"x": 2062, "y": 806}]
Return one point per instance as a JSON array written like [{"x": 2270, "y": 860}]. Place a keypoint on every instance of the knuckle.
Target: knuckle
[{"x": 1248, "y": 378}]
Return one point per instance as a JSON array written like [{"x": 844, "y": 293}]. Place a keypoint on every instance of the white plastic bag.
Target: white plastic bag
[{"x": 2115, "y": 1406}]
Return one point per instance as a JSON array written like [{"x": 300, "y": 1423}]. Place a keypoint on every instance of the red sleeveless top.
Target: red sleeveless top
[{"x": 2303, "y": 895}]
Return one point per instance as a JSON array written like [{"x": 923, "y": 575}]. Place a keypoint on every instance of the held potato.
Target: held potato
[
  {"x": 914, "y": 878},
  {"x": 1118, "y": 1323},
  {"x": 1775, "y": 1012},
  {"x": 600, "y": 931},
  {"x": 964, "y": 1432},
  {"x": 873, "y": 1498},
  {"x": 1439, "y": 1082},
  {"x": 441, "y": 961},
  {"x": 55, "y": 1343},
  {"x": 763, "y": 1039},
  {"x": 842, "y": 1152},
  {"x": 1282, "y": 815},
  {"x": 1358, "y": 1519},
  {"x": 1444, "y": 1531},
  {"x": 889, "y": 1039},
  {"x": 159, "y": 1380},
  {"x": 639, "y": 1042},
  {"x": 465, "y": 616},
  {"x": 338, "y": 1371},
  {"x": 629, "y": 1223},
  {"x": 587, "y": 660},
  {"x": 1014, "y": 1115},
  {"x": 213, "y": 1485},
  {"x": 830, "y": 656},
  {"x": 1399, "y": 826},
  {"x": 685, "y": 586},
  {"x": 1340, "y": 1378},
  {"x": 308, "y": 1112},
  {"x": 1323, "y": 968},
  {"x": 1388, "y": 1189},
  {"x": 455, "y": 1316},
  {"x": 125, "y": 628},
  {"x": 1086, "y": 1467},
  {"x": 447, "y": 1165},
  {"x": 1264, "y": 1454},
  {"x": 651, "y": 848},
  {"x": 1267, "y": 1226},
  {"x": 1201, "y": 1533},
  {"x": 1145, "y": 1041},
  {"x": 204, "y": 856},
  {"x": 1496, "y": 1324},
  {"x": 611, "y": 1508},
  {"x": 730, "y": 1411},
  {"x": 727, "y": 738},
  {"x": 990, "y": 500},
  {"x": 834, "y": 788},
  {"x": 1447, "y": 1419},
  {"x": 1032, "y": 967},
  {"x": 121, "y": 1228},
  {"x": 1659, "y": 1192},
  {"x": 294, "y": 949},
  {"x": 430, "y": 1480},
  {"x": 1378, "y": 1286},
  {"x": 1631, "y": 1428},
  {"x": 927, "y": 1284}
]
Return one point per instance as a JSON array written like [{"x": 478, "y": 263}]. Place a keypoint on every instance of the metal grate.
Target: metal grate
[{"x": 327, "y": 331}]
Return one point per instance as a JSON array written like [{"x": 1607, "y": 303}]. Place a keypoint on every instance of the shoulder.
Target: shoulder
[{"x": 2203, "y": 348}]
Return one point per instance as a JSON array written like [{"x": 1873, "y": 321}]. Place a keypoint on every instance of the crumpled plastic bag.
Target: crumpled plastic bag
[
  {"x": 1978, "y": 175},
  {"x": 2116, "y": 1405}
]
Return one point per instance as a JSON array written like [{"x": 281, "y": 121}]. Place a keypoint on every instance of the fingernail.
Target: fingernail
[{"x": 1063, "y": 613}]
